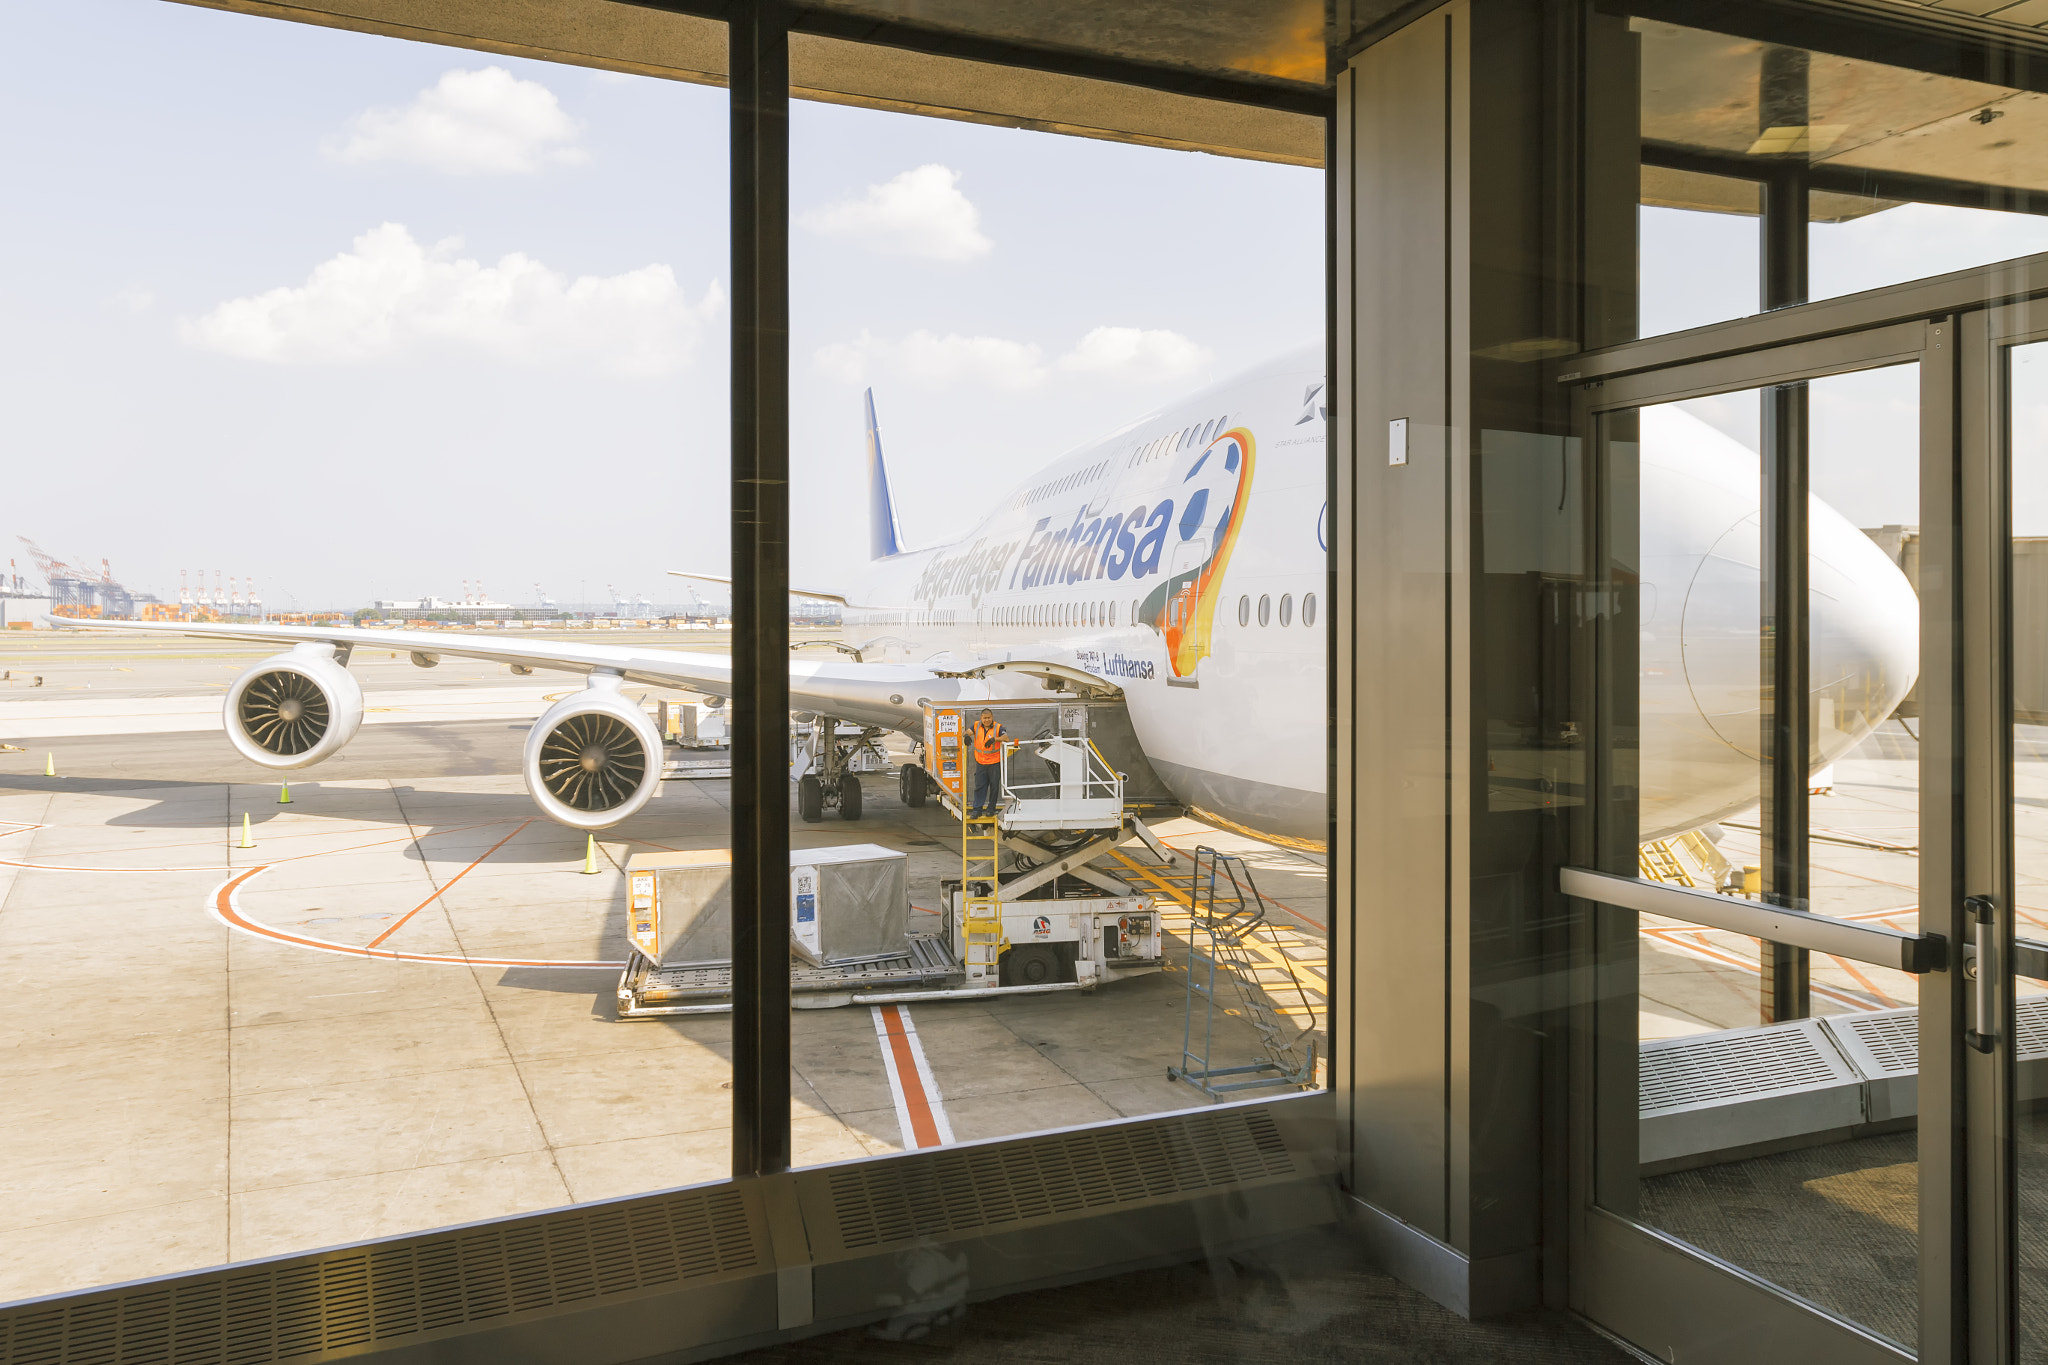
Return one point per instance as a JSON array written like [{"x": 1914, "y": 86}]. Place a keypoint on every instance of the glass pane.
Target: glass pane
[
  {"x": 1696, "y": 248},
  {"x": 1752, "y": 1099},
  {"x": 1855, "y": 173},
  {"x": 327, "y": 326},
  {"x": 1081, "y": 471},
  {"x": 2029, "y": 445}
]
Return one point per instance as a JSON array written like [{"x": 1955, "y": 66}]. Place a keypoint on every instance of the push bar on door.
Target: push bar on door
[{"x": 1915, "y": 953}]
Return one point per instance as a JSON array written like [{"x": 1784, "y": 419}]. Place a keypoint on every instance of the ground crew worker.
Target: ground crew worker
[{"x": 985, "y": 746}]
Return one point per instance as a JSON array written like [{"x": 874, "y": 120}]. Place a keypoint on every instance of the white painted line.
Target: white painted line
[{"x": 920, "y": 1108}]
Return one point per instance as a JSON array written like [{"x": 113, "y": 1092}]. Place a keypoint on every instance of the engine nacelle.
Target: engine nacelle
[
  {"x": 593, "y": 759},
  {"x": 295, "y": 709}
]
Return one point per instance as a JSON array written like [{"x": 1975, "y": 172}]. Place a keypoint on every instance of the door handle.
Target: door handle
[{"x": 1983, "y": 972}]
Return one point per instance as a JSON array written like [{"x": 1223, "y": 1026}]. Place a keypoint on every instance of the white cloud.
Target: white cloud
[
  {"x": 1136, "y": 353},
  {"x": 486, "y": 122},
  {"x": 390, "y": 297},
  {"x": 135, "y": 300},
  {"x": 919, "y": 213},
  {"x": 1129, "y": 354}
]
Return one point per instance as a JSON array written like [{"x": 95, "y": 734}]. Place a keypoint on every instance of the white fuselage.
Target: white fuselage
[{"x": 1184, "y": 559}]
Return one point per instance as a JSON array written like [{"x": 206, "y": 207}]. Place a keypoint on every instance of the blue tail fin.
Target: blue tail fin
[{"x": 885, "y": 537}]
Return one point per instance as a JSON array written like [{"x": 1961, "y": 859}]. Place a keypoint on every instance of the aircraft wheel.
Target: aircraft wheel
[
  {"x": 913, "y": 784},
  {"x": 810, "y": 798},
  {"x": 849, "y": 797}
]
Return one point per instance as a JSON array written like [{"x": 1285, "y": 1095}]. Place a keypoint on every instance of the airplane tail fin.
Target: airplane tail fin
[{"x": 885, "y": 536}]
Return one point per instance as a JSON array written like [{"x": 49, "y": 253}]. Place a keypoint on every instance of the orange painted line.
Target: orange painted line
[
  {"x": 400, "y": 923},
  {"x": 924, "y": 1127},
  {"x": 230, "y": 914},
  {"x": 1160, "y": 880},
  {"x": 1728, "y": 959},
  {"x": 215, "y": 867},
  {"x": 1862, "y": 980}
]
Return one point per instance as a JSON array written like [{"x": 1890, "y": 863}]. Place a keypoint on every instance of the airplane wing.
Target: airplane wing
[
  {"x": 815, "y": 594},
  {"x": 889, "y": 695}
]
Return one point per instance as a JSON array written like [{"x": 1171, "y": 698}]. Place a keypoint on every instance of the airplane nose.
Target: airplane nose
[
  {"x": 1863, "y": 634},
  {"x": 1702, "y": 683}
]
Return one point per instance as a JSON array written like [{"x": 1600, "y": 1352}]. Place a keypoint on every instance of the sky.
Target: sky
[
  {"x": 367, "y": 318},
  {"x": 1699, "y": 268}
]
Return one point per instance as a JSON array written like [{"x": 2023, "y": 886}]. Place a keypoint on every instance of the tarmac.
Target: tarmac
[{"x": 397, "y": 1010}]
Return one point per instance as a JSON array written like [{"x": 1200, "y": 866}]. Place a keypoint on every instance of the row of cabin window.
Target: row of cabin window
[
  {"x": 1173, "y": 441},
  {"x": 1308, "y": 609},
  {"x": 1060, "y": 485},
  {"x": 1105, "y": 613},
  {"x": 1062, "y": 614}
]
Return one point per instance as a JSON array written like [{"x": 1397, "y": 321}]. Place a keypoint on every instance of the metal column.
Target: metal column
[
  {"x": 758, "y": 35},
  {"x": 1786, "y": 986}
]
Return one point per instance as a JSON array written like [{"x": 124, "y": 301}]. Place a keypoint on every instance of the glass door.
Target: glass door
[
  {"x": 2010, "y": 885},
  {"x": 1762, "y": 963}
]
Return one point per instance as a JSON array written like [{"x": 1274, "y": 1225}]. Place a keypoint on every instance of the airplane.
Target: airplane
[{"x": 1182, "y": 559}]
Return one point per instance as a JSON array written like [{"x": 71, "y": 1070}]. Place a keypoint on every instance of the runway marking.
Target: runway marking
[
  {"x": 1674, "y": 937},
  {"x": 216, "y": 867},
  {"x": 227, "y": 909},
  {"x": 1272, "y": 957},
  {"x": 449, "y": 883},
  {"x": 920, "y": 1108}
]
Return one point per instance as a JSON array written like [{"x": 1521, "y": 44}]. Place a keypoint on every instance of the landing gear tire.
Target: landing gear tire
[
  {"x": 910, "y": 781},
  {"x": 1032, "y": 964},
  {"x": 849, "y": 797},
  {"x": 810, "y": 798}
]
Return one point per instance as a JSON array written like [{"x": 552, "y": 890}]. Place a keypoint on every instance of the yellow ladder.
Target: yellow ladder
[
  {"x": 1659, "y": 864},
  {"x": 981, "y": 906}
]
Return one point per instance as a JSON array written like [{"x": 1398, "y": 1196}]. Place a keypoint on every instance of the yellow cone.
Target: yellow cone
[
  {"x": 247, "y": 842},
  {"x": 590, "y": 856},
  {"x": 284, "y": 793},
  {"x": 49, "y": 765}
]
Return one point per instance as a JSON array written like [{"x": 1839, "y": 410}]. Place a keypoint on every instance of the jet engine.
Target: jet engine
[
  {"x": 593, "y": 759},
  {"x": 295, "y": 709}
]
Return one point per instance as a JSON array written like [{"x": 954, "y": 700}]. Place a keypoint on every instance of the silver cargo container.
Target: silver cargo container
[{"x": 848, "y": 904}]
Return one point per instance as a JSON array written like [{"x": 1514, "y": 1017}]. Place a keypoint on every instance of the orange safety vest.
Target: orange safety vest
[{"x": 987, "y": 749}]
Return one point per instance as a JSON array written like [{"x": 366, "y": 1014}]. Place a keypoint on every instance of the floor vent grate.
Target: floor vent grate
[
  {"x": 1715, "y": 1068},
  {"x": 346, "y": 1300},
  {"x": 949, "y": 1193},
  {"x": 1881, "y": 1043}
]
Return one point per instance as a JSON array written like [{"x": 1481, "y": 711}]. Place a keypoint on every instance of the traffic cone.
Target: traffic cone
[
  {"x": 284, "y": 793},
  {"x": 247, "y": 842},
  {"x": 49, "y": 765},
  {"x": 590, "y": 856}
]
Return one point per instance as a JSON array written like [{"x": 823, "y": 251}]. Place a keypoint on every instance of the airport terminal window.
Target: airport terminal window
[
  {"x": 383, "y": 988},
  {"x": 1039, "y": 998}
]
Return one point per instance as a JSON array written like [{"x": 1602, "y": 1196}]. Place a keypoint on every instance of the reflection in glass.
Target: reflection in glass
[
  {"x": 1785, "y": 1147},
  {"x": 2029, "y": 566},
  {"x": 1872, "y": 173}
]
